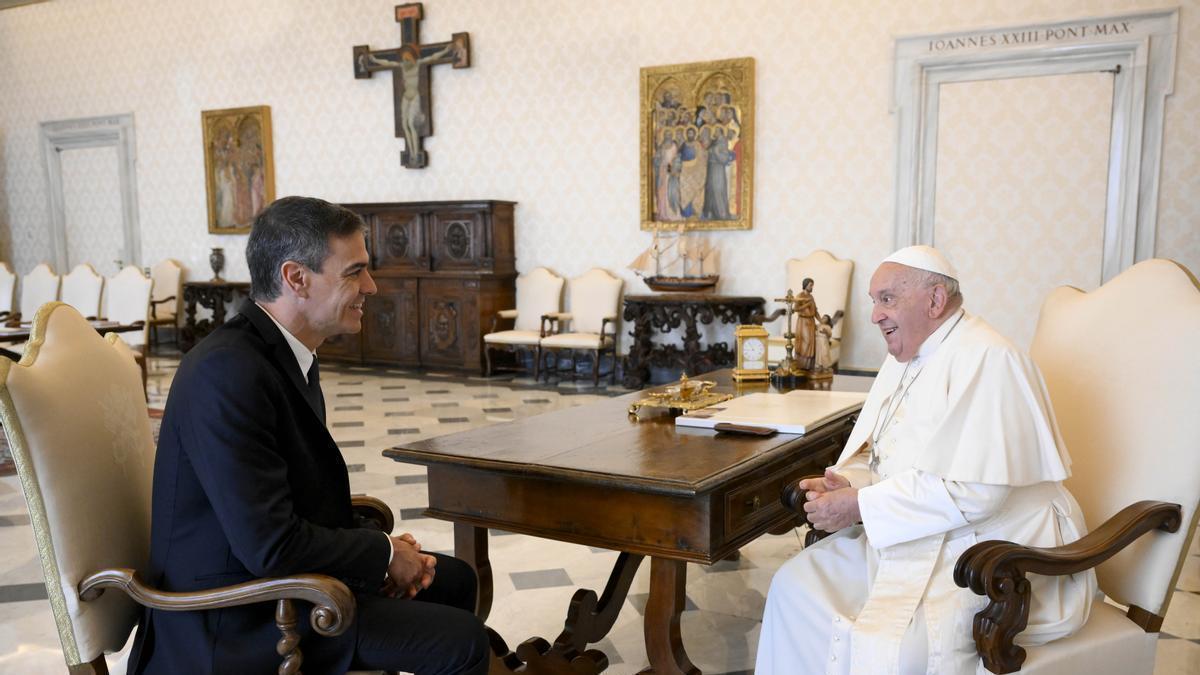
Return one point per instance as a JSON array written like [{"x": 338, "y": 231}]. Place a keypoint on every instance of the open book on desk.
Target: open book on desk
[{"x": 795, "y": 412}]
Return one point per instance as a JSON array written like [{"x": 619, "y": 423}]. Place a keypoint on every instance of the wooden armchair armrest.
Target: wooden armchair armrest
[
  {"x": 333, "y": 605},
  {"x": 13, "y": 320},
  {"x": 793, "y": 500},
  {"x": 997, "y": 569},
  {"x": 760, "y": 318},
  {"x": 154, "y": 307},
  {"x": 502, "y": 315},
  {"x": 604, "y": 324},
  {"x": 552, "y": 322},
  {"x": 373, "y": 510}
]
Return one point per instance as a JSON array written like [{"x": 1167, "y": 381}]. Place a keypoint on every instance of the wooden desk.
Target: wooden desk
[{"x": 592, "y": 475}]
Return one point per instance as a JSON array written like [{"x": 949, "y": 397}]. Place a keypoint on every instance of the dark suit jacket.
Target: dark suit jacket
[{"x": 248, "y": 483}]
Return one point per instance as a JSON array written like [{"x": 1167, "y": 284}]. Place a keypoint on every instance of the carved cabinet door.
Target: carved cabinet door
[
  {"x": 398, "y": 240},
  {"x": 346, "y": 348},
  {"x": 459, "y": 241},
  {"x": 450, "y": 323},
  {"x": 390, "y": 333}
]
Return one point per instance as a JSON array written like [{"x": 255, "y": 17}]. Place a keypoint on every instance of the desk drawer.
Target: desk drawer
[{"x": 757, "y": 501}]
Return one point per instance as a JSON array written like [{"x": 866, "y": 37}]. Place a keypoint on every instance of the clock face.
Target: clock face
[{"x": 753, "y": 352}]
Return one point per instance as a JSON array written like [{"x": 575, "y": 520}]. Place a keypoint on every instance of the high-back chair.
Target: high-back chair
[
  {"x": 82, "y": 289},
  {"x": 595, "y": 301},
  {"x": 128, "y": 301},
  {"x": 166, "y": 296},
  {"x": 79, "y": 431},
  {"x": 8, "y": 286},
  {"x": 37, "y": 288},
  {"x": 831, "y": 292},
  {"x": 539, "y": 295},
  {"x": 1123, "y": 370}
]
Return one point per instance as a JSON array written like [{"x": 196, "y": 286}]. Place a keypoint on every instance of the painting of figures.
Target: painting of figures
[
  {"x": 238, "y": 167},
  {"x": 697, "y": 145}
]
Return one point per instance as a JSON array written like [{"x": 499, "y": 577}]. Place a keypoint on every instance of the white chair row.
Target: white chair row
[
  {"x": 125, "y": 297},
  {"x": 538, "y": 323}
]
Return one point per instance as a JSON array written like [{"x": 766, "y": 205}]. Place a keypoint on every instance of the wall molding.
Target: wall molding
[
  {"x": 114, "y": 131},
  {"x": 1139, "y": 49}
]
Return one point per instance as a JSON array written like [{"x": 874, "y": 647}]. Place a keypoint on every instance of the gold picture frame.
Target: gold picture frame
[
  {"x": 697, "y": 116},
  {"x": 239, "y": 166}
]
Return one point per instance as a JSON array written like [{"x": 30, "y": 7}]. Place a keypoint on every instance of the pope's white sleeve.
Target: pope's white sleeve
[
  {"x": 855, "y": 469},
  {"x": 914, "y": 504}
]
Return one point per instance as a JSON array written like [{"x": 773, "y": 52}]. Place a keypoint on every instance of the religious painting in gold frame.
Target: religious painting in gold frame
[
  {"x": 697, "y": 146},
  {"x": 239, "y": 169}
]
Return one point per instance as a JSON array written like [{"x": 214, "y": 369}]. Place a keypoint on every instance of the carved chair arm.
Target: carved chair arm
[
  {"x": 374, "y": 511},
  {"x": 13, "y": 320},
  {"x": 552, "y": 322},
  {"x": 333, "y": 603},
  {"x": 793, "y": 500},
  {"x": 759, "y": 318},
  {"x": 997, "y": 569},
  {"x": 155, "y": 303},
  {"x": 504, "y": 314},
  {"x": 604, "y": 324}
]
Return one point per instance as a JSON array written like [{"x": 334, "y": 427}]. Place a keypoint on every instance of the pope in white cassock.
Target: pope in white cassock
[{"x": 956, "y": 444}]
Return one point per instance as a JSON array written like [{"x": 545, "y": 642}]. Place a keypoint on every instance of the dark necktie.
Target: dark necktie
[{"x": 314, "y": 390}]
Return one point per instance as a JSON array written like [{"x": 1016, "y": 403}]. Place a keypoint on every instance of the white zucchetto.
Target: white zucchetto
[{"x": 925, "y": 258}]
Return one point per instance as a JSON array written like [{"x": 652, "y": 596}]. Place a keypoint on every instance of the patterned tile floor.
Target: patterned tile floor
[{"x": 370, "y": 410}]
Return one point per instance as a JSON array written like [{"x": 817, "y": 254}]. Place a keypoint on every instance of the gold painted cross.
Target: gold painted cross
[{"x": 410, "y": 63}]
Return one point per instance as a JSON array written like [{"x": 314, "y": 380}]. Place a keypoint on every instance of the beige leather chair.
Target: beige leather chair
[
  {"x": 8, "y": 287},
  {"x": 82, "y": 289},
  {"x": 37, "y": 288},
  {"x": 166, "y": 297},
  {"x": 595, "y": 301},
  {"x": 831, "y": 291},
  {"x": 128, "y": 301},
  {"x": 539, "y": 294},
  {"x": 1123, "y": 370},
  {"x": 76, "y": 421}
]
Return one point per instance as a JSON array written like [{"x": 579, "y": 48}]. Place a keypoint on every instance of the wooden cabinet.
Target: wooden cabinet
[{"x": 443, "y": 270}]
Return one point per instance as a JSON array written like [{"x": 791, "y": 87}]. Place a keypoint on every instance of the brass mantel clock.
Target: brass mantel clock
[{"x": 751, "y": 353}]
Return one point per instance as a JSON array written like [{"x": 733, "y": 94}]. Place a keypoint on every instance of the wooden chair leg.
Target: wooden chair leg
[
  {"x": 487, "y": 360},
  {"x": 596, "y": 369},
  {"x": 537, "y": 361}
]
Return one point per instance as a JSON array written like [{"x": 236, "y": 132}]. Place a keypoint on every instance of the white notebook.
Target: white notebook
[{"x": 792, "y": 413}]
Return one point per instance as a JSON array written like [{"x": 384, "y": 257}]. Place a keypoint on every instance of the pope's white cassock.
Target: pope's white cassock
[{"x": 967, "y": 450}]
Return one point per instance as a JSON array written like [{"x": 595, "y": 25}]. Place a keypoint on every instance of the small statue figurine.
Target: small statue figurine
[{"x": 828, "y": 348}]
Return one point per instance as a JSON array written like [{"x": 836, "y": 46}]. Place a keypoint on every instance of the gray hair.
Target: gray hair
[
  {"x": 931, "y": 279},
  {"x": 298, "y": 229}
]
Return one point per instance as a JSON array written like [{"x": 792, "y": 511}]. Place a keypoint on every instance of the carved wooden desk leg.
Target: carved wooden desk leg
[
  {"x": 471, "y": 546},
  {"x": 664, "y": 645}
]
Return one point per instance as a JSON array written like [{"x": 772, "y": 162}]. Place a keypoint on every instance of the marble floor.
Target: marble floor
[{"x": 373, "y": 409}]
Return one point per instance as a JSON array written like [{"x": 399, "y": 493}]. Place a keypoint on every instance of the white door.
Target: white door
[
  {"x": 91, "y": 185},
  {"x": 1020, "y": 194}
]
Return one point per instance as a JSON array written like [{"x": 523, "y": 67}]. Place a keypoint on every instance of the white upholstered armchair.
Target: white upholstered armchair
[
  {"x": 37, "y": 288},
  {"x": 831, "y": 291},
  {"x": 1123, "y": 370},
  {"x": 128, "y": 301},
  {"x": 595, "y": 303},
  {"x": 82, "y": 289},
  {"x": 539, "y": 294},
  {"x": 8, "y": 286},
  {"x": 166, "y": 297},
  {"x": 79, "y": 431}
]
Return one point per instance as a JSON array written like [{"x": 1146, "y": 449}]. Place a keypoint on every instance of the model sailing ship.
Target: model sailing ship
[{"x": 677, "y": 262}]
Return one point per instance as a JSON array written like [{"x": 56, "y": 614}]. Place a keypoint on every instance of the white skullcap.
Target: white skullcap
[{"x": 925, "y": 258}]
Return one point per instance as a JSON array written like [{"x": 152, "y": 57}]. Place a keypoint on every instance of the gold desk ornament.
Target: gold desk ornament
[
  {"x": 682, "y": 396},
  {"x": 789, "y": 372}
]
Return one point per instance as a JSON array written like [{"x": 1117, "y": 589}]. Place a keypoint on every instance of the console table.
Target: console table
[
  {"x": 213, "y": 295},
  {"x": 667, "y": 312}
]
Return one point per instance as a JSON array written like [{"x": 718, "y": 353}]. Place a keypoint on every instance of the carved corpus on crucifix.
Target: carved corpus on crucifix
[{"x": 410, "y": 64}]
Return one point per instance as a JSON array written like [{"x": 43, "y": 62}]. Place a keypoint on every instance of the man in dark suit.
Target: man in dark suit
[{"x": 248, "y": 483}]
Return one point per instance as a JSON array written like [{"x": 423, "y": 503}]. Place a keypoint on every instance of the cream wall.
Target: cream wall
[{"x": 546, "y": 116}]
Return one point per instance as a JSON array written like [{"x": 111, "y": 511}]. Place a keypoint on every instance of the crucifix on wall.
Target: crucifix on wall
[{"x": 410, "y": 63}]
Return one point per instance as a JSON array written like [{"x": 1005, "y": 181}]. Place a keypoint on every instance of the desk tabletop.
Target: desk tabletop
[{"x": 601, "y": 443}]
